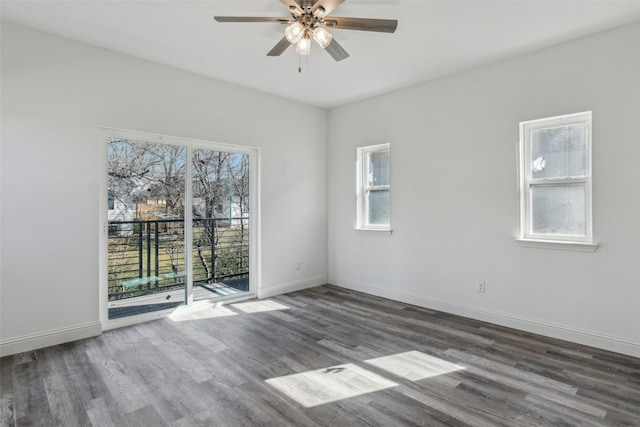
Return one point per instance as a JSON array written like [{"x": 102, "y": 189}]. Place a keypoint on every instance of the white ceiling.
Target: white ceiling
[{"x": 434, "y": 38}]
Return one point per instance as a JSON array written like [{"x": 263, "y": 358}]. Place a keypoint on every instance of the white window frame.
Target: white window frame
[
  {"x": 363, "y": 188},
  {"x": 554, "y": 241}
]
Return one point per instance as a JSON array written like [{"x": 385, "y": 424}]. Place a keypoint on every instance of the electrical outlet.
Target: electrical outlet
[
  {"x": 481, "y": 286},
  {"x": 297, "y": 265}
]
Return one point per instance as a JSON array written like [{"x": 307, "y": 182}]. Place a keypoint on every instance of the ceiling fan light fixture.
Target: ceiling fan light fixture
[
  {"x": 322, "y": 37},
  {"x": 304, "y": 46},
  {"x": 294, "y": 32}
]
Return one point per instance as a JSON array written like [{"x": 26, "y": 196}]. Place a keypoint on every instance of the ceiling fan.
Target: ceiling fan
[{"x": 309, "y": 20}]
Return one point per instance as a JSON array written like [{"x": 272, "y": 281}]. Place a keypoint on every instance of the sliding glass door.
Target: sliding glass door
[{"x": 177, "y": 226}]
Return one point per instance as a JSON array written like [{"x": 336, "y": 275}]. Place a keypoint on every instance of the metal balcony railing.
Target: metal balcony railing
[{"x": 148, "y": 256}]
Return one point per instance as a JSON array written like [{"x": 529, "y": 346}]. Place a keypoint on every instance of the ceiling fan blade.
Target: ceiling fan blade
[
  {"x": 336, "y": 51},
  {"x": 250, "y": 19},
  {"x": 279, "y": 48},
  {"x": 328, "y": 5},
  {"x": 362, "y": 24}
]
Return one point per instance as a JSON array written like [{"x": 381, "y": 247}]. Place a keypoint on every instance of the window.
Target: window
[
  {"x": 555, "y": 179},
  {"x": 374, "y": 187}
]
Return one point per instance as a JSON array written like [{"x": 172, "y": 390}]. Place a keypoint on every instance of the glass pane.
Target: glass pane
[
  {"x": 559, "y": 209},
  {"x": 146, "y": 184},
  {"x": 220, "y": 223},
  {"x": 378, "y": 168},
  {"x": 378, "y": 201},
  {"x": 559, "y": 152}
]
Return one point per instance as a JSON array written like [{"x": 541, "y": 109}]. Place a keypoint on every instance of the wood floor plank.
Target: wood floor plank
[
  {"x": 30, "y": 397},
  {"x": 6, "y": 376},
  {"x": 99, "y": 414},
  {"x": 7, "y": 414},
  {"x": 517, "y": 376},
  {"x": 145, "y": 417},
  {"x": 212, "y": 368}
]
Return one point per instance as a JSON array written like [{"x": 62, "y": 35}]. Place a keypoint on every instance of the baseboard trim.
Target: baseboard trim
[
  {"x": 49, "y": 338},
  {"x": 298, "y": 285},
  {"x": 567, "y": 333}
]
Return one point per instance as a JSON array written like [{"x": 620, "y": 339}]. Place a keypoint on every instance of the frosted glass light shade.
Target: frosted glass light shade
[
  {"x": 322, "y": 37},
  {"x": 294, "y": 32},
  {"x": 304, "y": 46}
]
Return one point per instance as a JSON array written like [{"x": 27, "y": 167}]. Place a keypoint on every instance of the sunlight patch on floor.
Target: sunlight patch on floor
[
  {"x": 205, "y": 311},
  {"x": 259, "y": 306},
  {"x": 414, "y": 365},
  {"x": 313, "y": 388}
]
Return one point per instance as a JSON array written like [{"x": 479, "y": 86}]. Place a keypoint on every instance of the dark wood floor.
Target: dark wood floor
[{"x": 234, "y": 366}]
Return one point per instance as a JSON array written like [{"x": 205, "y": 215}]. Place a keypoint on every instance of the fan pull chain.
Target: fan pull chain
[{"x": 300, "y": 62}]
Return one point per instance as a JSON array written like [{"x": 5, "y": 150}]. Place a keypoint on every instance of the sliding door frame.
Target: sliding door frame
[{"x": 254, "y": 222}]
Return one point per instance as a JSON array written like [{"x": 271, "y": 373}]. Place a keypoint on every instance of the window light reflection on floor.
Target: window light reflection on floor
[
  {"x": 313, "y": 388},
  {"x": 259, "y": 306},
  {"x": 414, "y": 365},
  {"x": 207, "y": 310},
  {"x": 201, "y": 311}
]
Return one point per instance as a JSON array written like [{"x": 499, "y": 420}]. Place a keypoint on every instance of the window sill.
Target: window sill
[
  {"x": 375, "y": 231},
  {"x": 552, "y": 244}
]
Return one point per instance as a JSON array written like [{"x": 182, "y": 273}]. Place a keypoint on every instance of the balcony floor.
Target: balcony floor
[{"x": 172, "y": 299}]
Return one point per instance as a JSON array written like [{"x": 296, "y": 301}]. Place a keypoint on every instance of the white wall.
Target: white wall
[
  {"x": 56, "y": 94},
  {"x": 454, "y": 194}
]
